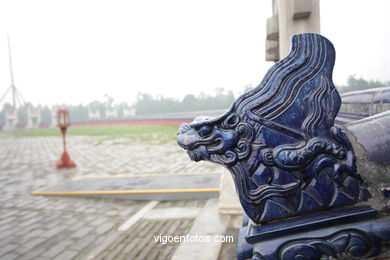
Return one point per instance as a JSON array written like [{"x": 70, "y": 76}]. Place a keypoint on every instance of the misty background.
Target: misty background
[{"x": 169, "y": 56}]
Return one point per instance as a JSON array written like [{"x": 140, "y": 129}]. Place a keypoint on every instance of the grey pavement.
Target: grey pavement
[{"x": 36, "y": 227}]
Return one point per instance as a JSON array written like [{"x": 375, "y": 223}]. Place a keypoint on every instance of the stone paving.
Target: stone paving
[{"x": 36, "y": 227}]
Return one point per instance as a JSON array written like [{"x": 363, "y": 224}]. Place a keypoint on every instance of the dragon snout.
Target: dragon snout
[
  {"x": 185, "y": 136},
  {"x": 184, "y": 128},
  {"x": 189, "y": 139}
]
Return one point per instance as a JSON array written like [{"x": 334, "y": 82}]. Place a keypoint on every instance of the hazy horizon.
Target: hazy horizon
[{"x": 77, "y": 51}]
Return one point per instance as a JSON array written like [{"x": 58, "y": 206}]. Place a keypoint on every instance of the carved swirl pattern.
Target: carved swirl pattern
[
  {"x": 279, "y": 140},
  {"x": 345, "y": 244},
  {"x": 243, "y": 147}
]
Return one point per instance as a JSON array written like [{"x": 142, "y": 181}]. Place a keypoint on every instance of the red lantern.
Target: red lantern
[{"x": 63, "y": 124}]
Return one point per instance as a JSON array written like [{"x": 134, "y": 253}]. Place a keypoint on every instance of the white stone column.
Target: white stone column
[{"x": 290, "y": 17}]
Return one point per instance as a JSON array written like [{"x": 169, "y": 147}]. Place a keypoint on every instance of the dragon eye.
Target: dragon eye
[{"x": 205, "y": 131}]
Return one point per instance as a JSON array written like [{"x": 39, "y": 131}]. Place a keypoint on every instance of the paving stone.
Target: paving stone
[
  {"x": 83, "y": 242},
  {"x": 4, "y": 228},
  {"x": 53, "y": 231},
  {"x": 66, "y": 255},
  {"x": 144, "y": 252},
  {"x": 115, "y": 252},
  {"x": 173, "y": 227},
  {"x": 37, "y": 227},
  {"x": 98, "y": 222},
  {"x": 30, "y": 244},
  {"x": 102, "y": 246},
  {"x": 184, "y": 224},
  {"x": 104, "y": 228},
  {"x": 31, "y": 254},
  {"x": 6, "y": 233},
  {"x": 57, "y": 249},
  {"x": 77, "y": 226},
  {"x": 9, "y": 257},
  {"x": 82, "y": 232},
  {"x": 165, "y": 252},
  {"x": 5, "y": 241},
  {"x": 145, "y": 230},
  {"x": 42, "y": 258},
  {"x": 157, "y": 227},
  {"x": 153, "y": 254},
  {"x": 6, "y": 220},
  {"x": 135, "y": 251},
  {"x": 7, "y": 248},
  {"x": 131, "y": 246},
  {"x": 102, "y": 256}
]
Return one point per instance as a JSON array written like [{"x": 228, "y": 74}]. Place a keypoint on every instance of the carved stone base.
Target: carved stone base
[{"x": 346, "y": 233}]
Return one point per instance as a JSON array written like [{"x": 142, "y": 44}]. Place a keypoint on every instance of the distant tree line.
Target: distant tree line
[
  {"x": 355, "y": 84},
  {"x": 147, "y": 104}
]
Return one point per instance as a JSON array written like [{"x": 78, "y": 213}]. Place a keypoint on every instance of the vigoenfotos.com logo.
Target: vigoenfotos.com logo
[{"x": 165, "y": 239}]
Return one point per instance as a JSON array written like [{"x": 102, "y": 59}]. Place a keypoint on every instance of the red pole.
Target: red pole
[
  {"x": 63, "y": 132},
  {"x": 65, "y": 160}
]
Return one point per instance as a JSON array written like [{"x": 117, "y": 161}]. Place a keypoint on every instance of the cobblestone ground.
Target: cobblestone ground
[{"x": 36, "y": 227}]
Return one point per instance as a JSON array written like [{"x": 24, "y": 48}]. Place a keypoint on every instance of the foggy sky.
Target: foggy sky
[{"x": 78, "y": 51}]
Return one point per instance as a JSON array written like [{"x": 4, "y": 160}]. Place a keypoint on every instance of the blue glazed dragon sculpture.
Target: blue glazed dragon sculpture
[{"x": 279, "y": 140}]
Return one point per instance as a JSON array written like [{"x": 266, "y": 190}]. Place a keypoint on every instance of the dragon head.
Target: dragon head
[
  {"x": 221, "y": 140},
  {"x": 279, "y": 140}
]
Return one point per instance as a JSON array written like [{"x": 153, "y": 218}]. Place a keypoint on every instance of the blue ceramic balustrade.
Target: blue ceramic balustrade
[{"x": 288, "y": 158}]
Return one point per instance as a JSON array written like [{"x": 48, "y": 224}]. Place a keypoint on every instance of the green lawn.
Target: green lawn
[{"x": 116, "y": 134}]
